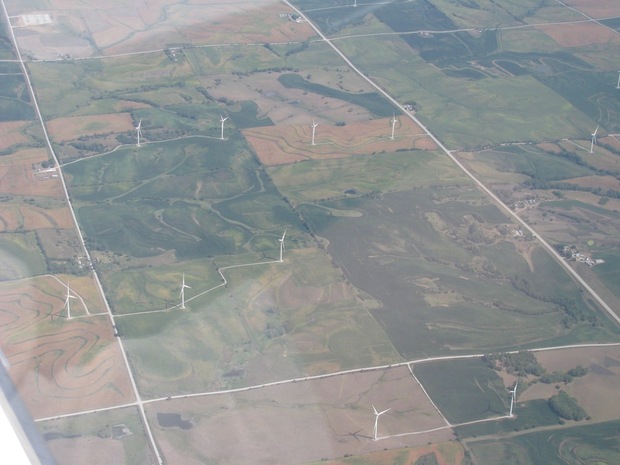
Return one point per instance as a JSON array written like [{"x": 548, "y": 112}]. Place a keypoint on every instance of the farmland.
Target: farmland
[{"x": 236, "y": 232}]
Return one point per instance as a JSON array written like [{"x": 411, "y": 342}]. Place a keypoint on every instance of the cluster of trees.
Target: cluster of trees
[
  {"x": 521, "y": 363},
  {"x": 573, "y": 313},
  {"x": 525, "y": 363},
  {"x": 563, "y": 377},
  {"x": 566, "y": 407}
]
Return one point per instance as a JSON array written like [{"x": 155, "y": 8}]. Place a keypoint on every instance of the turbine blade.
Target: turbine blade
[
  {"x": 375, "y": 410},
  {"x": 381, "y": 413}
]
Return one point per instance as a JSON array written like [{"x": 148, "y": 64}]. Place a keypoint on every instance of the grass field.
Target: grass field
[
  {"x": 464, "y": 390},
  {"x": 270, "y": 321},
  {"x": 579, "y": 444}
]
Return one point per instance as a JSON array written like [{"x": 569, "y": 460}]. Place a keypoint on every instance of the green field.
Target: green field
[
  {"x": 20, "y": 256},
  {"x": 266, "y": 314}
]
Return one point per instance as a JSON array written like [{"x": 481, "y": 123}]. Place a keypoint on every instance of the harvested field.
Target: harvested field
[
  {"x": 273, "y": 423},
  {"x": 447, "y": 453},
  {"x": 579, "y": 35},
  {"x": 278, "y": 145},
  {"x": 599, "y": 9},
  {"x": 61, "y": 365},
  {"x": 15, "y": 217},
  {"x": 17, "y": 176},
  {"x": 604, "y": 182},
  {"x": 290, "y": 106},
  {"x": 11, "y": 133},
  {"x": 70, "y": 128}
]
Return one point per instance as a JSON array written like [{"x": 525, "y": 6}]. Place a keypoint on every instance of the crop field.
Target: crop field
[
  {"x": 278, "y": 145},
  {"x": 446, "y": 453},
  {"x": 113, "y": 436},
  {"x": 197, "y": 429},
  {"x": 60, "y": 364},
  {"x": 260, "y": 326},
  {"x": 579, "y": 444}
]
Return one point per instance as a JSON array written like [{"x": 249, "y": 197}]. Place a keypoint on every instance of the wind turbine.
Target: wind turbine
[
  {"x": 281, "y": 241},
  {"x": 222, "y": 119},
  {"x": 139, "y": 131},
  {"x": 68, "y": 301},
  {"x": 393, "y": 125},
  {"x": 513, "y": 395},
  {"x": 593, "y": 140},
  {"x": 618, "y": 85},
  {"x": 182, "y": 294},
  {"x": 314, "y": 125},
  {"x": 355, "y": 4},
  {"x": 376, "y": 428}
]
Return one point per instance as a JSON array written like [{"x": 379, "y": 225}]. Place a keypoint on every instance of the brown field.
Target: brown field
[
  {"x": 278, "y": 145},
  {"x": 579, "y": 35},
  {"x": 597, "y": 9},
  {"x": 291, "y": 107},
  {"x": 59, "y": 365},
  {"x": 18, "y": 178},
  {"x": 299, "y": 422},
  {"x": 596, "y": 392},
  {"x": 10, "y": 219},
  {"x": 28, "y": 217},
  {"x": 446, "y": 453},
  {"x": 72, "y": 127},
  {"x": 11, "y": 133},
  {"x": 604, "y": 182}
]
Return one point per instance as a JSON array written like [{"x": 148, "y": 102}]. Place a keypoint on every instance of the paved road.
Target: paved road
[{"x": 77, "y": 228}]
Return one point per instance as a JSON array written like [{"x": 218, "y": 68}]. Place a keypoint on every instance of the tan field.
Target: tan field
[
  {"x": 278, "y": 145},
  {"x": 70, "y": 128},
  {"x": 598, "y": 9},
  {"x": 20, "y": 178},
  {"x": 11, "y": 133},
  {"x": 300, "y": 422},
  {"x": 579, "y": 35}
]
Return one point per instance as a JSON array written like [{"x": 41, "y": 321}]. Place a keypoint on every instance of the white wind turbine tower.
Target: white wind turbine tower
[
  {"x": 68, "y": 301},
  {"x": 593, "y": 140},
  {"x": 393, "y": 125},
  {"x": 513, "y": 395},
  {"x": 376, "y": 428},
  {"x": 281, "y": 241},
  {"x": 355, "y": 4},
  {"x": 139, "y": 131},
  {"x": 222, "y": 119},
  {"x": 314, "y": 125},
  {"x": 182, "y": 294},
  {"x": 618, "y": 85}
]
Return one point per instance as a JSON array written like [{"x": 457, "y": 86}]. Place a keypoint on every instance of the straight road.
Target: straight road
[{"x": 612, "y": 314}]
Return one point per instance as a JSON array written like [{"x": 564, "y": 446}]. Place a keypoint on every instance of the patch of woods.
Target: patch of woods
[{"x": 525, "y": 365}]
